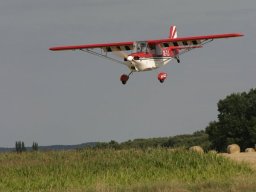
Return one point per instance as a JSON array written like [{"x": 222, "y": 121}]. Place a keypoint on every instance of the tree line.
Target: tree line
[
  {"x": 236, "y": 121},
  {"x": 179, "y": 141},
  {"x": 236, "y": 124},
  {"x": 20, "y": 146}
]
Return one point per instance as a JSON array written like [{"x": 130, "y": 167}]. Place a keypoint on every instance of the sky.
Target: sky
[{"x": 72, "y": 97}]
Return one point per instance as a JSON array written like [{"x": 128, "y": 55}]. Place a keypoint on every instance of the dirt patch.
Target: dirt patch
[{"x": 243, "y": 157}]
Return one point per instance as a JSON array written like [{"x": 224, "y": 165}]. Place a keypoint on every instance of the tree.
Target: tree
[
  {"x": 20, "y": 146},
  {"x": 236, "y": 121},
  {"x": 35, "y": 146},
  {"x": 23, "y": 148},
  {"x": 197, "y": 138},
  {"x": 113, "y": 144}
]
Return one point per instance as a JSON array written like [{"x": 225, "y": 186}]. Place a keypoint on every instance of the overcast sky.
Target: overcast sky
[{"x": 72, "y": 97}]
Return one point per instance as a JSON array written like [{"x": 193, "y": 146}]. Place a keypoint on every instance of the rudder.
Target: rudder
[{"x": 173, "y": 32}]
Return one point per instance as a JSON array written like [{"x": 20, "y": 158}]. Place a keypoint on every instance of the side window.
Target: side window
[
  {"x": 143, "y": 47},
  {"x": 158, "y": 50},
  {"x": 152, "y": 49},
  {"x": 138, "y": 48}
]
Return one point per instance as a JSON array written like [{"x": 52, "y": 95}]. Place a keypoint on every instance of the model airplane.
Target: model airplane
[{"x": 147, "y": 55}]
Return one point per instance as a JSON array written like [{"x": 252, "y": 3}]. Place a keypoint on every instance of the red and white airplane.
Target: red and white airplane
[{"x": 147, "y": 55}]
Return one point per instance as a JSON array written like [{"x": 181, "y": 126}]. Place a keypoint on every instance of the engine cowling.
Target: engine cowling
[
  {"x": 130, "y": 58},
  {"x": 162, "y": 76}
]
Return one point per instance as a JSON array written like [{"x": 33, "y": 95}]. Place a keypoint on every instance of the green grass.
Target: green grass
[{"x": 123, "y": 170}]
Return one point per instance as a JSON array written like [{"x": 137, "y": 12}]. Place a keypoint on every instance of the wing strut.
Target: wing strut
[
  {"x": 102, "y": 56},
  {"x": 191, "y": 48}
]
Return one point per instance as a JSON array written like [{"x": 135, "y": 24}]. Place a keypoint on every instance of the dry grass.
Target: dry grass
[
  {"x": 123, "y": 170},
  {"x": 243, "y": 157}
]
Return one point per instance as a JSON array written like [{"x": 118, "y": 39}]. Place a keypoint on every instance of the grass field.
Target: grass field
[{"x": 123, "y": 170}]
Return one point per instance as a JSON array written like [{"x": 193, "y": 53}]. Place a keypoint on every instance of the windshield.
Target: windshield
[{"x": 141, "y": 46}]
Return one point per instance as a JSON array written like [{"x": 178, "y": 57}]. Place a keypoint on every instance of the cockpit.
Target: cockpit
[
  {"x": 144, "y": 47},
  {"x": 141, "y": 46}
]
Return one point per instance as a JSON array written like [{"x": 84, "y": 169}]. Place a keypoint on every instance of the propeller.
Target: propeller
[
  {"x": 122, "y": 54},
  {"x": 130, "y": 58}
]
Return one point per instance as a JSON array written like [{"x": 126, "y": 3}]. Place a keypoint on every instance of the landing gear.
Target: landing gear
[
  {"x": 124, "y": 78},
  {"x": 162, "y": 76},
  {"x": 177, "y": 59}
]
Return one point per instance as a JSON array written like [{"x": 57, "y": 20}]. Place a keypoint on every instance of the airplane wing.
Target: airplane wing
[
  {"x": 177, "y": 43},
  {"x": 117, "y": 48},
  {"x": 107, "y": 47},
  {"x": 191, "y": 42}
]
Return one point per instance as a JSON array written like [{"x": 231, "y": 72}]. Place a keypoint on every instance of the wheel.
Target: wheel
[
  {"x": 162, "y": 76},
  {"x": 124, "y": 78}
]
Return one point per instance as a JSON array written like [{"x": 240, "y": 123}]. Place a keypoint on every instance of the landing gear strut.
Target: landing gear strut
[
  {"x": 177, "y": 59},
  {"x": 162, "y": 76},
  {"x": 124, "y": 78}
]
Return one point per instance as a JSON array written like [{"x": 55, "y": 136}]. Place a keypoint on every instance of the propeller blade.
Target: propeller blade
[{"x": 125, "y": 56}]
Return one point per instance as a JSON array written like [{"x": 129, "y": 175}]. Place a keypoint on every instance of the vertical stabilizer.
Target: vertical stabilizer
[
  {"x": 174, "y": 52},
  {"x": 173, "y": 32}
]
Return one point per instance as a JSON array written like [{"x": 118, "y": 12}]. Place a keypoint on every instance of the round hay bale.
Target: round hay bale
[
  {"x": 233, "y": 148},
  {"x": 249, "y": 150},
  {"x": 212, "y": 152},
  {"x": 197, "y": 149}
]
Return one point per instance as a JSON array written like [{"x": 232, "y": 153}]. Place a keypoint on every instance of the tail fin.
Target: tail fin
[{"x": 173, "y": 32}]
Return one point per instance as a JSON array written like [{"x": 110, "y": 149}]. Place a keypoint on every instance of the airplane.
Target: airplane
[{"x": 147, "y": 55}]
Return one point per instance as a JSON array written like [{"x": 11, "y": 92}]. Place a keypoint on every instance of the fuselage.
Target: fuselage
[{"x": 146, "y": 61}]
